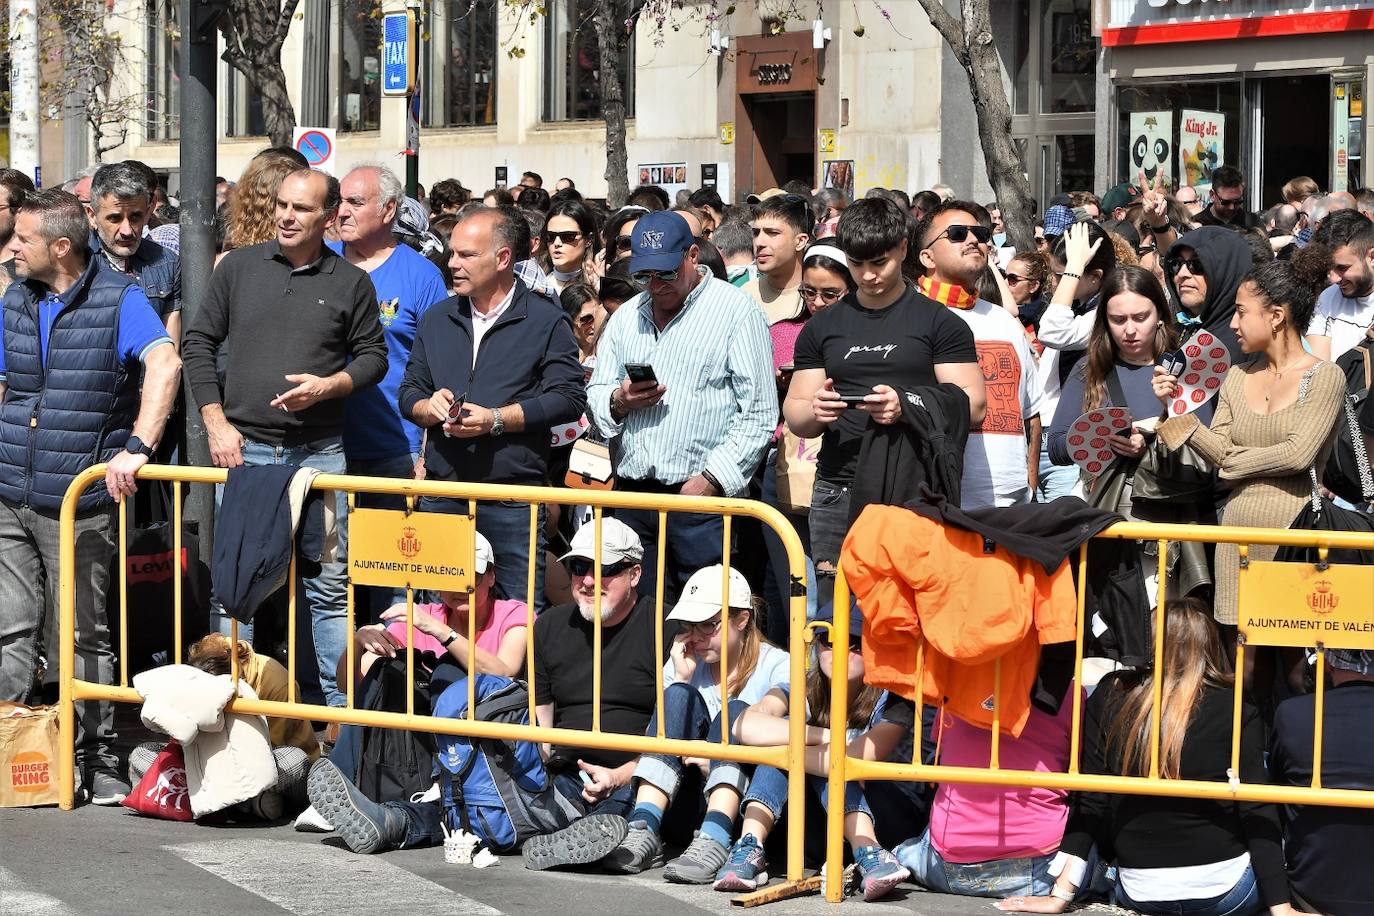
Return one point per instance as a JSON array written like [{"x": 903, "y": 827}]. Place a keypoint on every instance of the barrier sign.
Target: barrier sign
[
  {"x": 1296, "y": 604},
  {"x": 316, "y": 144},
  {"x": 417, "y": 549}
]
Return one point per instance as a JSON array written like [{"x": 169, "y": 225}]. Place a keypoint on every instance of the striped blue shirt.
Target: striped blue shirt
[{"x": 715, "y": 360}]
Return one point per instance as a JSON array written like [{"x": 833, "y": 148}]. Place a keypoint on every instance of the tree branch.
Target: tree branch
[{"x": 949, "y": 28}]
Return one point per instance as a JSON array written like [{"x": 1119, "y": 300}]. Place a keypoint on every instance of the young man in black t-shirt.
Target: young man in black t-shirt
[{"x": 882, "y": 339}]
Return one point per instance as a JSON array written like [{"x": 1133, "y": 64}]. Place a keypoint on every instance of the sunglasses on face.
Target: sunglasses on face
[
  {"x": 567, "y": 238},
  {"x": 1013, "y": 279},
  {"x": 645, "y": 277},
  {"x": 621, "y": 243},
  {"x": 855, "y": 643},
  {"x": 586, "y": 319},
  {"x": 581, "y": 566},
  {"x": 958, "y": 234},
  {"x": 828, "y": 296},
  {"x": 1227, "y": 203},
  {"x": 1193, "y": 264},
  {"x": 1146, "y": 249}
]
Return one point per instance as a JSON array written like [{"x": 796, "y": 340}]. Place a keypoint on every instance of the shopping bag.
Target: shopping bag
[
  {"x": 28, "y": 755},
  {"x": 162, "y": 791},
  {"x": 796, "y": 469},
  {"x": 589, "y": 466}
]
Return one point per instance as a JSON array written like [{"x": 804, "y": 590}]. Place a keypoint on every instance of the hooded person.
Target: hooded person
[{"x": 1203, "y": 270}]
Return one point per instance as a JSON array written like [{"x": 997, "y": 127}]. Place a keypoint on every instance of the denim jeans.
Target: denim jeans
[
  {"x": 695, "y": 541},
  {"x": 829, "y": 522},
  {"x": 370, "y": 600},
  {"x": 506, "y": 526},
  {"x": 29, "y": 549},
  {"x": 1241, "y": 900},
  {"x": 325, "y": 594},
  {"x": 1053, "y": 480},
  {"x": 1029, "y": 876},
  {"x": 777, "y": 589},
  {"x": 769, "y": 788},
  {"x": 685, "y": 716}
]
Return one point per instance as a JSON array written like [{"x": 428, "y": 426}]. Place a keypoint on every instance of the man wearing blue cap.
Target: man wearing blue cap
[{"x": 684, "y": 386}]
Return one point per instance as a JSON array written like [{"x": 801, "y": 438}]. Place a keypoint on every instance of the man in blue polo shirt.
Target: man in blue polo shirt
[{"x": 74, "y": 336}]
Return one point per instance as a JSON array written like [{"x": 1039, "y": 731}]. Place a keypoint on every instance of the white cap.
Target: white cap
[
  {"x": 485, "y": 556},
  {"x": 701, "y": 598},
  {"x": 618, "y": 543}
]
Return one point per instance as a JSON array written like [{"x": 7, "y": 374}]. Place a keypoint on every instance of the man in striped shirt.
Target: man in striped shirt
[{"x": 684, "y": 387}]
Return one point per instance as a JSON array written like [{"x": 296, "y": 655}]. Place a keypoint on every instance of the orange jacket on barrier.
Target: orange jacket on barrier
[{"x": 927, "y": 588}]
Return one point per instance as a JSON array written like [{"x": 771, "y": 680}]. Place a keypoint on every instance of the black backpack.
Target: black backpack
[
  {"x": 396, "y": 764},
  {"x": 1347, "y": 472}
]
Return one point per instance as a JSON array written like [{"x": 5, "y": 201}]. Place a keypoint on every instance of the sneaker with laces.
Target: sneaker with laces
[
  {"x": 698, "y": 863},
  {"x": 365, "y": 826},
  {"x": 586, "y": 840},
  {"x": 107, "y": 789},
  {"x": 311, "y": 821},
  {"x": 641, "y": 850},
  {"x": 879, "y": 870},
  {"x": 745, "y": 868}
]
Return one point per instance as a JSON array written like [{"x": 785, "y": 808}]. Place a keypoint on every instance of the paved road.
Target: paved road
[{"x": 110, "y": 862}]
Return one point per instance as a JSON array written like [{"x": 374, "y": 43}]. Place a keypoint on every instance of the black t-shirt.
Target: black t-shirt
[
  {"x": 629, "y": 674},
  {"x": 860, "y": 348},
  {"x": 1328, "y": 848}
]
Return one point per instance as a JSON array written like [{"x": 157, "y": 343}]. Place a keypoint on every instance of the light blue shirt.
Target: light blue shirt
[
  {"x": 720, "y": 406},
  {"x": 773, "y": 669}
]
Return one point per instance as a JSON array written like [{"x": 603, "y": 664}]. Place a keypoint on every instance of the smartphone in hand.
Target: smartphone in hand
[
  {"x": 640, "y": 372},
  {"x": 455, "y": 413}
]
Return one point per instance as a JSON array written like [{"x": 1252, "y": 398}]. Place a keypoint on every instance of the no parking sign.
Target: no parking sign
[{"x": 316, "y": 144}]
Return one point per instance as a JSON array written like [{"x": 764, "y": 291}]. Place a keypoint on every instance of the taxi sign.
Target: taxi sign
[{"x": 398, "y": 53}]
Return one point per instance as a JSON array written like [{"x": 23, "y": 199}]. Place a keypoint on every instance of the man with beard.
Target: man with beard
[
  {"x": 17, "y": 187},
  {"x": 1345, "y": 310},
  {"x": 121, "y": 204}
]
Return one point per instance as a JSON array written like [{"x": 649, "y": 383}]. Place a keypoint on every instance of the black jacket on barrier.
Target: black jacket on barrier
[{"x": 925, "y": 449}]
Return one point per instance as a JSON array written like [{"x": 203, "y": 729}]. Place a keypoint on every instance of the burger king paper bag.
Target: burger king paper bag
[{"x": 28, "y": 755}]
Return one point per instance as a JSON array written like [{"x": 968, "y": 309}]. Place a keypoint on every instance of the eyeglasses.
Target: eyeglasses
[
  {"x": 828, "y": 296},
  {"x": 581, "y": 566},
  {"x": 958, "y": 234},
  {"x": 823, "y": 639},
  {"x": 645, "y": 277},
  {"x": 1227, "y": 203},
  {"x": 586, "y": 319},
  {"x": 1013, "y": 279},
  {"x": 567, "y": 238},
  {"x": 1146, "y": 249},
  {"x": 1193, "y": 264},
  {"x": 706, "y": 627},
  {"x": 622, "y": 243}
]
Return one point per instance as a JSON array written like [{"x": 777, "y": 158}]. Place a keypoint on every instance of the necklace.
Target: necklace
[{"x": 1278, "y": 377}]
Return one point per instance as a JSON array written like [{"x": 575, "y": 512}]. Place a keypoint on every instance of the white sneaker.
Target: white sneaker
[
  {"x": 429, "y": 795},
  {"x": 311, "y": 821}
]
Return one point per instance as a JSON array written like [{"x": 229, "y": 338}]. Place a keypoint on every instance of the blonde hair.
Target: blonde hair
[
  {"x": 750, "y": 640},
  {"x": 252, "y": 210},
  {"x": 211, "y": 654}
]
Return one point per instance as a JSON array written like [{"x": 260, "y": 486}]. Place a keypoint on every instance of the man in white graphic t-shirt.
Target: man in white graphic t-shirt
[
  {"x": 1345, "y": 310},
  {"x": 1003, "y": 453}
]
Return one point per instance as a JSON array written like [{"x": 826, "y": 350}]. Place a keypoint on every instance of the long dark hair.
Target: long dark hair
[
  {"x": 581, "y": 214},
  {"x": 1101, "y": 356}
]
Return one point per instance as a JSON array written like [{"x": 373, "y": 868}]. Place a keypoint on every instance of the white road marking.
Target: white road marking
[
  {"x": 318, "y": 880},
  {"x": 30, "y": 903}
]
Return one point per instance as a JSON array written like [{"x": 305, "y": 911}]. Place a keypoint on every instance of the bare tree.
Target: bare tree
[
  {"x": 970, "y": 38},
  {"x": 83, "y": 62},
  {"x": 254, "y": 32}
]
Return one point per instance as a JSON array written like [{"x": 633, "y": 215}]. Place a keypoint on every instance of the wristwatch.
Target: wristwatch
[
  {"x": 498, "y": 425},
  {"x": 135, "y": 446},
  {"x": 452, "y": 635}
]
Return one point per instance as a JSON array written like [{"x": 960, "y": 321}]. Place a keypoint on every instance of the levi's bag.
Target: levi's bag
[
  {"x": 162, "y": 792},
  {"x": 28, "y": 755},
  {"x": 589, "y": 466}
]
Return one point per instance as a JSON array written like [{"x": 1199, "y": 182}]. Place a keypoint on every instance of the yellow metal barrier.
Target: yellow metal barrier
[
  {"x": 847, "y": 769},
  {"x": 73, "y": 690}
]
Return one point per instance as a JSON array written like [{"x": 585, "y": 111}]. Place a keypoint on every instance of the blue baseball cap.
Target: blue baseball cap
[{"x": 659, "y": 241}]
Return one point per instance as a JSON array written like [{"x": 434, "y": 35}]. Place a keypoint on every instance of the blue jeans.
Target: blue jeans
[
  {"x": 1029, "y": 876},
  {"x": 1241, "y": 900},
  {"x": 1054, "y": 480},
  {"x": 506, "y": 526},
  {"x": 325, "y": 594},
  {"x": 370, "y": 600},
  {"x": 769, "y": 788},
  {"x": 685, "y": 716}
]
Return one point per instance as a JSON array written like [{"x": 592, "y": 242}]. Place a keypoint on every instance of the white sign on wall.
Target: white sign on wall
[
  {"x": 1201, "y": 146},
  {"x": 1152, "y": 145}
]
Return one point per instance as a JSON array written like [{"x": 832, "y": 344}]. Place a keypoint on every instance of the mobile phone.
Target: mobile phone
[
  {"x": 586, "y": 779},
  {"x": 455, "y": 413},
  {"x": 787, "y": 368},
  {"x": 853, "y": 400},
  {"x": 1173, "y": 362},
  {"x": 640, "y": 372}
]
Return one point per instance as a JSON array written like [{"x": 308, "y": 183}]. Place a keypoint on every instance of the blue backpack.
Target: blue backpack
[{"x": 496, "y": 789}]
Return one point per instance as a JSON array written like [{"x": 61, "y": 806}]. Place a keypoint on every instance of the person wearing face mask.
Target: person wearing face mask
[{"x": 570, "y": 240}]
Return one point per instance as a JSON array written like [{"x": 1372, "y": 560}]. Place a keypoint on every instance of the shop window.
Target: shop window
[
  {"x": 243, "y": 107},
  {"x": 1155, "y": 145},
  {"x": 360, "y": 82},
  {"x": 572, "y": 64},
  {"x": 1068, "y": 57},
  {"x": 162, "y": 71},
  {"x": 460, "y": 63},
  {"x": 1012, "y": 32}
]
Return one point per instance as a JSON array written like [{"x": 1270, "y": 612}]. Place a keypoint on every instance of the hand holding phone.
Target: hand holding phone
[
  {"x": 455, "y": 411},
  {"x": 853, "y": 400},
  {"x": 640, "y": 372}
]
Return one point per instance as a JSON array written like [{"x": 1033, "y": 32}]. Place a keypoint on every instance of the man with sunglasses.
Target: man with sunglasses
[
  {"x": 782, "y": 229},
  {"x": 1228, "y": 202},
  {"x": 1002, "y": 457},
  {"x": 700, "y": 420}
]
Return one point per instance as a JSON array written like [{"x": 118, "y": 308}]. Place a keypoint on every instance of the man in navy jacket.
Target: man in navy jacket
[{"x": 506, "y": 359}]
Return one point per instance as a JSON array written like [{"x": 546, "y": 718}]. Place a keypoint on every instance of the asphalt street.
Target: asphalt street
[{"x": 111, "y": 862}]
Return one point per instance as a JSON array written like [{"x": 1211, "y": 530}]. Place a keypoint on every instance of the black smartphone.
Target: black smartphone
[
  {"x": 853, "y": 400},
  {"x": 640, "y": 372},
  {"x": 787, "y": 368},
  {"x": 455, "y": 413}
]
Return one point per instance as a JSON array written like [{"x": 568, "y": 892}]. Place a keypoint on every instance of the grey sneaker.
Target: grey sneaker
[
  {"x": 698, "y": 863},
  {"x": 880, "y": 870},
  {"x": 107, "y": 789},
  {"x": 365, "y": 826},
  {"x": 641, "y": 850},
  {"x": 584, "y": 841}
]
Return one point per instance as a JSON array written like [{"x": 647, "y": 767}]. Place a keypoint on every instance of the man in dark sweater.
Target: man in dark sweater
[
  {"x": 492, "y": 370},
  {"x": 300, "y": 330}
]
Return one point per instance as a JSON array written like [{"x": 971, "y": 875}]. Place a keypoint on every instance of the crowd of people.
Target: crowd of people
[{"x": 824, "y": 356}]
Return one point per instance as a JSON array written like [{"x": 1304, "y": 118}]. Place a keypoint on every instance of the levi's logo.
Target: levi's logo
[{"x": 155, "y": 567}]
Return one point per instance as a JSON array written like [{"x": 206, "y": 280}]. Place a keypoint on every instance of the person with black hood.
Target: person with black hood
[{"x": 1203, "y": 270}]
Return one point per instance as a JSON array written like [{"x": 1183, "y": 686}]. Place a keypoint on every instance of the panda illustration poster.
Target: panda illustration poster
[
  {"x": 1152, "y": 144},
  {"x": 1201, "y": 141}
]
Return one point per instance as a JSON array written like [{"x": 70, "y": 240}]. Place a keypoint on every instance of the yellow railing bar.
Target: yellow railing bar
[
  {"x": 725, "y": 631},
  {"x": 1317, "y": 717},
  {"x": 1076, "y": 728},
  {"x": 124, "y": 594},
  {"x": 1157, "y": 680},
  {"x": 177, "y": 573},
  {"x": 350, "y": 616},
  {"x": 796, "y": 698},
  {"x": 596, "y": 619},
  {"x": 529, "y": 614},
  {"x": 410, "y": 651},
  {"x": 839, "y": 719},
  {"x": 662, "y": 564},
  {"x": 290, "y": 621}
]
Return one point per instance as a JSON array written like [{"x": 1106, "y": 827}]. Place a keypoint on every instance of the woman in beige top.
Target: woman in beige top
[{"x": 1274, "y": 417}]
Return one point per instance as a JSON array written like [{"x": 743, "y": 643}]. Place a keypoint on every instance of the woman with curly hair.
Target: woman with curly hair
[{"x": 252, "y": 211}]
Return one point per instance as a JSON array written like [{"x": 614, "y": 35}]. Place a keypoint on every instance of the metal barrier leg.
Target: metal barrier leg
[{"x": 839, "y": 716}]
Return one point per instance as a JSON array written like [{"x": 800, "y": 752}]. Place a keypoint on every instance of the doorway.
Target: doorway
[
  {"x": 783, "y": 126},
  {"x": 1296, "y": 118}
]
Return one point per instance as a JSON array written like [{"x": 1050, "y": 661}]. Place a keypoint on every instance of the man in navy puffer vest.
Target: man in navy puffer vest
[{"x": 75, "y": 341}]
